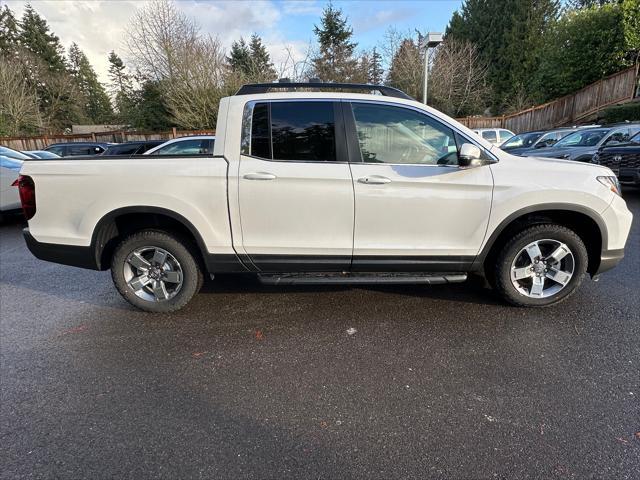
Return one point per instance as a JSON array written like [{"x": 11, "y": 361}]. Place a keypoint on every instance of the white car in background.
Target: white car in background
[
  {"x": 496, "y": 136},
  {"x": 193, "y": 145},
  {"x": 9, "y": 197}
]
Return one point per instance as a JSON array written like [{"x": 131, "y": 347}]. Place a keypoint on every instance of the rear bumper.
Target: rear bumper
[{"x": 72, "y": 255}]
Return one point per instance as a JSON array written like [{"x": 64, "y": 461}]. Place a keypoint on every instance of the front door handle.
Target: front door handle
[
  {"x": 374, "y": 180},
  {"x": 260, "y": 176}
]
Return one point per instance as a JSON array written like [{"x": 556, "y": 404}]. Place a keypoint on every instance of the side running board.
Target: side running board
[{"x": 360, "y": 278}]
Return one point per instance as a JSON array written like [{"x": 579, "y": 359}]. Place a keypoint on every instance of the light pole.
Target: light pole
[{"x": 431, "y": 40}]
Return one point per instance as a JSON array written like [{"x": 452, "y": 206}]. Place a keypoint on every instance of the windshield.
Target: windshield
[
  {"x": 10, "y": 163},
  {"x": 522, "y": 140},
  {"x": 583, "y": 138},
  {"x": 11, "y": 153}
]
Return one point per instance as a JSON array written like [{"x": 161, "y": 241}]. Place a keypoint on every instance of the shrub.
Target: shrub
[{"x": 620, "y": 113}]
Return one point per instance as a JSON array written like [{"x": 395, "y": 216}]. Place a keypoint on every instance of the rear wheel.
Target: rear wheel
[
  {"x": 156, "y": 271},
  {"x": 540, "y": 266}
]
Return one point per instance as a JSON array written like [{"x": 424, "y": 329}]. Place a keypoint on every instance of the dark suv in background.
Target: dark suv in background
[
  {"x": 582, "y": 144},
  {"x": 132, "y": 148},
  {"x": 74, "y": 149},
  {"x": 623, "y": 159}
]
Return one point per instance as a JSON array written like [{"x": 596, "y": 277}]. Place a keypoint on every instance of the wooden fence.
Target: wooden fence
[
  {"x": 566, "y": 110},
  {"x": 42, "y": 141}
]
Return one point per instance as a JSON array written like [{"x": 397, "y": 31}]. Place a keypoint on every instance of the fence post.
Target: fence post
[{"x": 173, "y": 132}]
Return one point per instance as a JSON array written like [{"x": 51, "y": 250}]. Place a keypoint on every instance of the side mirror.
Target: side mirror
[{"x": 469, "y": 156}]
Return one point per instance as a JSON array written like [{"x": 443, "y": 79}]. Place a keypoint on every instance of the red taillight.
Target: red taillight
[{"x": 27, "y": 190}]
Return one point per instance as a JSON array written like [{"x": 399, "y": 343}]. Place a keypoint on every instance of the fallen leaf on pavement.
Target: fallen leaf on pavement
[{"x": 78, "y": 329}]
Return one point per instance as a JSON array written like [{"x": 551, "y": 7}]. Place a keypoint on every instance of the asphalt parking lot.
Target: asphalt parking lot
[{"x": 263, "y": 382}]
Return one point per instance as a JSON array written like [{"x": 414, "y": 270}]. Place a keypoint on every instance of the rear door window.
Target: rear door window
[
  {"x": 303, "y": 131},
  {"x": 293, "y": 131}
]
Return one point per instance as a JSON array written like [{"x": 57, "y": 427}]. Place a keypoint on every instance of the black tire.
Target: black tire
[
  {"x": 180, "y": 249},
  {"x": 506, "y": 257}
]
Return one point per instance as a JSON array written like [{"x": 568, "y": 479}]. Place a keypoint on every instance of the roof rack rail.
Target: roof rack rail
[{"x": 255, "y": 88}]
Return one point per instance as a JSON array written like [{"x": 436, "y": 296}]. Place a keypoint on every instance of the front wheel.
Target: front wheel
[
  {"x": 155, "y": 271},
  {"x": 540, "y": 266}
]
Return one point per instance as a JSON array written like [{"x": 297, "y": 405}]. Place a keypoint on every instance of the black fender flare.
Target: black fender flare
[{"x": 544, "y": 207}]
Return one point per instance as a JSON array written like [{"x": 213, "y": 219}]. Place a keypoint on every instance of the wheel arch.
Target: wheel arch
[
  {"x": 120, "y": 222},
  {"x": 586, "y": 222}
]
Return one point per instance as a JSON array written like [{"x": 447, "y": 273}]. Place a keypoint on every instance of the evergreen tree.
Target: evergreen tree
[
  {"x": 8, "y": 31},
  {"x": 149, "y": 109},
  {"x": 239, "y": 57},
  {"x": 591, "y": 3},
  {"x": 35, "y": 37},
  {"x": 121, "y": 87},
  {"x": 510, "y": 44},
  {"x": 584, "y": 46},
  {"x": 405, "y": 71},
  {"x": 97, "y": 106},
  {"x": 251, "y": 60},
  {"x": 375, "y": 67},
  {"x": 335, "y": 61},
  {"x": 120, "y": 79},
  {"x": 260, "y": 59}
]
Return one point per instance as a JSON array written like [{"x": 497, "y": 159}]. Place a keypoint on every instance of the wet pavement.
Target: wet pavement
[{"x": 251, "y": 381}]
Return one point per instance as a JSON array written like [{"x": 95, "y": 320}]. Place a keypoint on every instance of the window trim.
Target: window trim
[
  {"x": 353, "y": 142},
  {"x": 339, "y": 130}
]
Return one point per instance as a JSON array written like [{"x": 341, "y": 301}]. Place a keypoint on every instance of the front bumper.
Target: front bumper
[
  {"x": 608, "y": 260},
  {"x": 628, "y": 176},
  {"x": 617, "y": 219}
]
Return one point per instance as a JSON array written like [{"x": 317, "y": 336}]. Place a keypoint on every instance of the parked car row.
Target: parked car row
[
  {"x": 193, "y": 145},
  {"x": 615, "y": 146}
]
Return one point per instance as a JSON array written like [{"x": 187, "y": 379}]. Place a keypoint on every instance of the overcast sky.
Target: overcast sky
[{"x": 97, "y": 26}]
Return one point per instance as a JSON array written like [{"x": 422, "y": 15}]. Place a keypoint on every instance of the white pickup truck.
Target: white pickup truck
[{"x": 306, "y": 185}]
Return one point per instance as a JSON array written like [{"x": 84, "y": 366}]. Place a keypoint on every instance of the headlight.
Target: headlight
[{"x": 611, "y": 183}]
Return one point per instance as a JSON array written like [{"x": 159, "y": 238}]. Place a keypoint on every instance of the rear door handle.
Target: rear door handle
[
  {"x": 374, "y": 180},
  {"x": 260, "y": 176}
]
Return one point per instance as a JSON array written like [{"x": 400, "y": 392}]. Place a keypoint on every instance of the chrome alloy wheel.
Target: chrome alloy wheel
[
  {"x": 153, "y": 274},
  {"x": 542, "y": 268}
]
